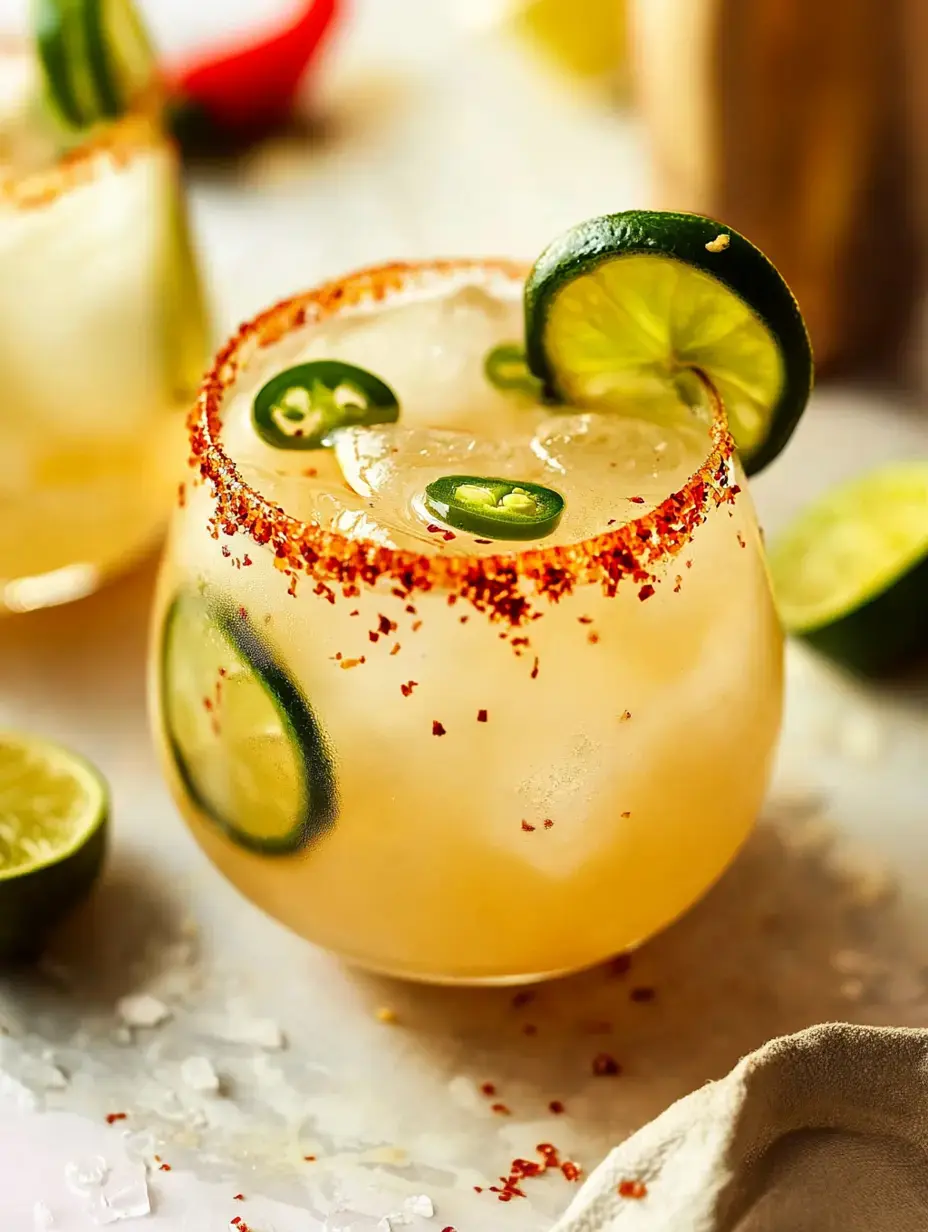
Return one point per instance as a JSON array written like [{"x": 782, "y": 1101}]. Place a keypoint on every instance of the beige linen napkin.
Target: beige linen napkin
[{"x": 824, "y": 1131}]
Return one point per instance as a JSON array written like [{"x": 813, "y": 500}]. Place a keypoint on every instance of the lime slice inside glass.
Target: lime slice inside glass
[
  {"x": 850, "y": 575},
  {"x": 622, "y": 309},
  {"x": 245, "y": 742},
  {"x": 54, "y": 808}
]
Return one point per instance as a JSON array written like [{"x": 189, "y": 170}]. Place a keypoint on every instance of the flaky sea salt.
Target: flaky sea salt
[
  {"x": 199, "y": 1075},
  {"x": 238, "y": 1029},
  {"x": 419, "y": 1204},
  {"x": 142, "y": 1010},
  {"x": 84, "y": 1176},
  {"x": 42, "y": 1218}
]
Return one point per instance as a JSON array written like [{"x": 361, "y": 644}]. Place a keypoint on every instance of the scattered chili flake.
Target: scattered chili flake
[
  {"x": 408, "y": 687},
  {"x": 433, "y": 529},
  {"x": 620, "y": 964},
  {"x": 637, "y": 500},
  {"x": 347, "y": 663},
  {"x": 448, "y": 1229},
  {"x": 740, "y": 539},
  {"x": 182, "y": 494},
  {"x": 238, "y": 1197},
  {"x": 374, "y": 637},
  {"x": 396, "y": 649},
  {"x": 548, "y": 823},
  {"x": 689, "y": 564},
  {"x": 113, "y": 1117},
  {"x": 519, "y": 641},
  {"x": 534, "y": 672},
  {"x": 520, "y": 1168},
  {"x": 463, "y": 619},
  {"x": 605, "y": 1066},
  {"x": 236, "y": 1221},
  {"x": 626, "y": 815},
  {"x": 529, "y": 1029},
  {"x": 448, "y": 535},
  {"x": 556, "y": 1107},
  {"x": 437, "y": 728},
  {"x": 585, "y": 620},
  {"x": 416, "y": 626},
  {"x": 165, "y": 1168},
  {"x": 483, "y": 541},
  {"x": 549, "y": 1154},
  {"x": 482, "y": 716},
  {"x": 354, "y": 613},
  {"x": 226, "y": 551},
  {"x": 488, "y": 1088},
  {"x": 410, "y": 609},
  {"x": 571, "y": 1170},
  {"x": 523, "y": 997},
  {"x": 246, "y": 560},
  {"x": 500, "y": 1109},
  {"x": 310, "y": 472},
  {"x": 677, "y": 584},
  {"x": 611, "y": 522},
  {"x": 632, "y": 1189},
  {"x": 526, "y": 826},
  {"x": 642, "y": 994},
  {"x": 385, "y": 624},
  {"x": 478, "y": 1189},
  {"x": 310, "y": 1159},
  {"x": 646, "y": 592},
  {"x": 735, "y": 490},
  {"x": 592, "y": 637},
  {"x": 625, "y": 716}
]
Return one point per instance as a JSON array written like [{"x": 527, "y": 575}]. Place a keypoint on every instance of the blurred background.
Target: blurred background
[{"x": 448, "y": 126}]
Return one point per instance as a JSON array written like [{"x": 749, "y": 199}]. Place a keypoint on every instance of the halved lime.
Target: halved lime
[
  {"x": 54, "y": 808},
  {"x": 244, "y": 739},
  {"x": 95, "y": 55},
  {"x": 622, "y": 308},
  {"x": 851, "y": 573}
]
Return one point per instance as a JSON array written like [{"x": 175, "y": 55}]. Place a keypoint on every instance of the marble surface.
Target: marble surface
[{"x": 435, "y": 137}]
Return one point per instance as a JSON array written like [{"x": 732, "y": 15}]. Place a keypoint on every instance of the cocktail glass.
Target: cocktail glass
[
  {"x": 439, "y": 755},
  {"x": 103, "y": 340}
]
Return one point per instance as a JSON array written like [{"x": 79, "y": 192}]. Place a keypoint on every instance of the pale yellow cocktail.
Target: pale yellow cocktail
[{"x": 440, "y": 756}]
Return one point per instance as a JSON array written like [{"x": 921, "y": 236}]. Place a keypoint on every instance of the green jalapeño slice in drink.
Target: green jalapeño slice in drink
[
  {"x": 302, "y": 407},
  {"x": 495, "y": 508}
]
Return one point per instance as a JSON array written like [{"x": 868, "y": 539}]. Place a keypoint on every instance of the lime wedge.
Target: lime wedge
[
  {"x": 244, "y": 740},
  {"x": 623, "y": 308},
  {"x": 95, "y": 57},
  {"x": 851, "y": 573},
  {"x": 54, "y": 808}
]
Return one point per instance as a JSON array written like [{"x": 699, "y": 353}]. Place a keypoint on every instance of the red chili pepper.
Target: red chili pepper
[{"x": 251, "y": 85}]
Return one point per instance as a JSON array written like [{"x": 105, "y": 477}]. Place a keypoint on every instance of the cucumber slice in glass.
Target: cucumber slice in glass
[
  {"x": 625, "y": 307},
  {"x": 245, "y": 741},
  {"x": 95, "y": 57},
  {"x": 850, "y": 575}
]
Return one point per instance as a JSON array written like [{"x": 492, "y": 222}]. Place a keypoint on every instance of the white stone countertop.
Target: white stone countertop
[{"x": 435, "y": 140}]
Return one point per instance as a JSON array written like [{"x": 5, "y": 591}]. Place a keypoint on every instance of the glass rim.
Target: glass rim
[
  {"x": 109, "y": 147},
  {"x": 491, "y": 582}
]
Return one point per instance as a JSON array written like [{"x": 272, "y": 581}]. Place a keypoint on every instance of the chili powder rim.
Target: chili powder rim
[
  {"x": 632, "y": 550},
  {"x": 110, "y": 147}
]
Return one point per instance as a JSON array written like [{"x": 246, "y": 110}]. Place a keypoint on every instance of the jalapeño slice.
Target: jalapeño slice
[
  {"x": 506, "y": 367},
  {"x": 303, "y": 406},
  {"x": 495, "y": 508}
]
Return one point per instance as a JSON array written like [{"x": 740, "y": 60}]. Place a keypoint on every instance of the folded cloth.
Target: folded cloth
[{"x": 824, "y": 1131}]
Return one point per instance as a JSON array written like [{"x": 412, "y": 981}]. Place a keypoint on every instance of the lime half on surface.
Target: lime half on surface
[
  {"x": 245, "y": 741},
  {"x": 625, "y": 307},
  {"x": 54, "y": 809},
  {"x": 850, "y": 575}
]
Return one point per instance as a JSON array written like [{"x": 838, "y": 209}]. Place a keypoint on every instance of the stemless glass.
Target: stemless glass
[
  {"x": 103, "y": 339},
  {"x": 460, "y": 765}
]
